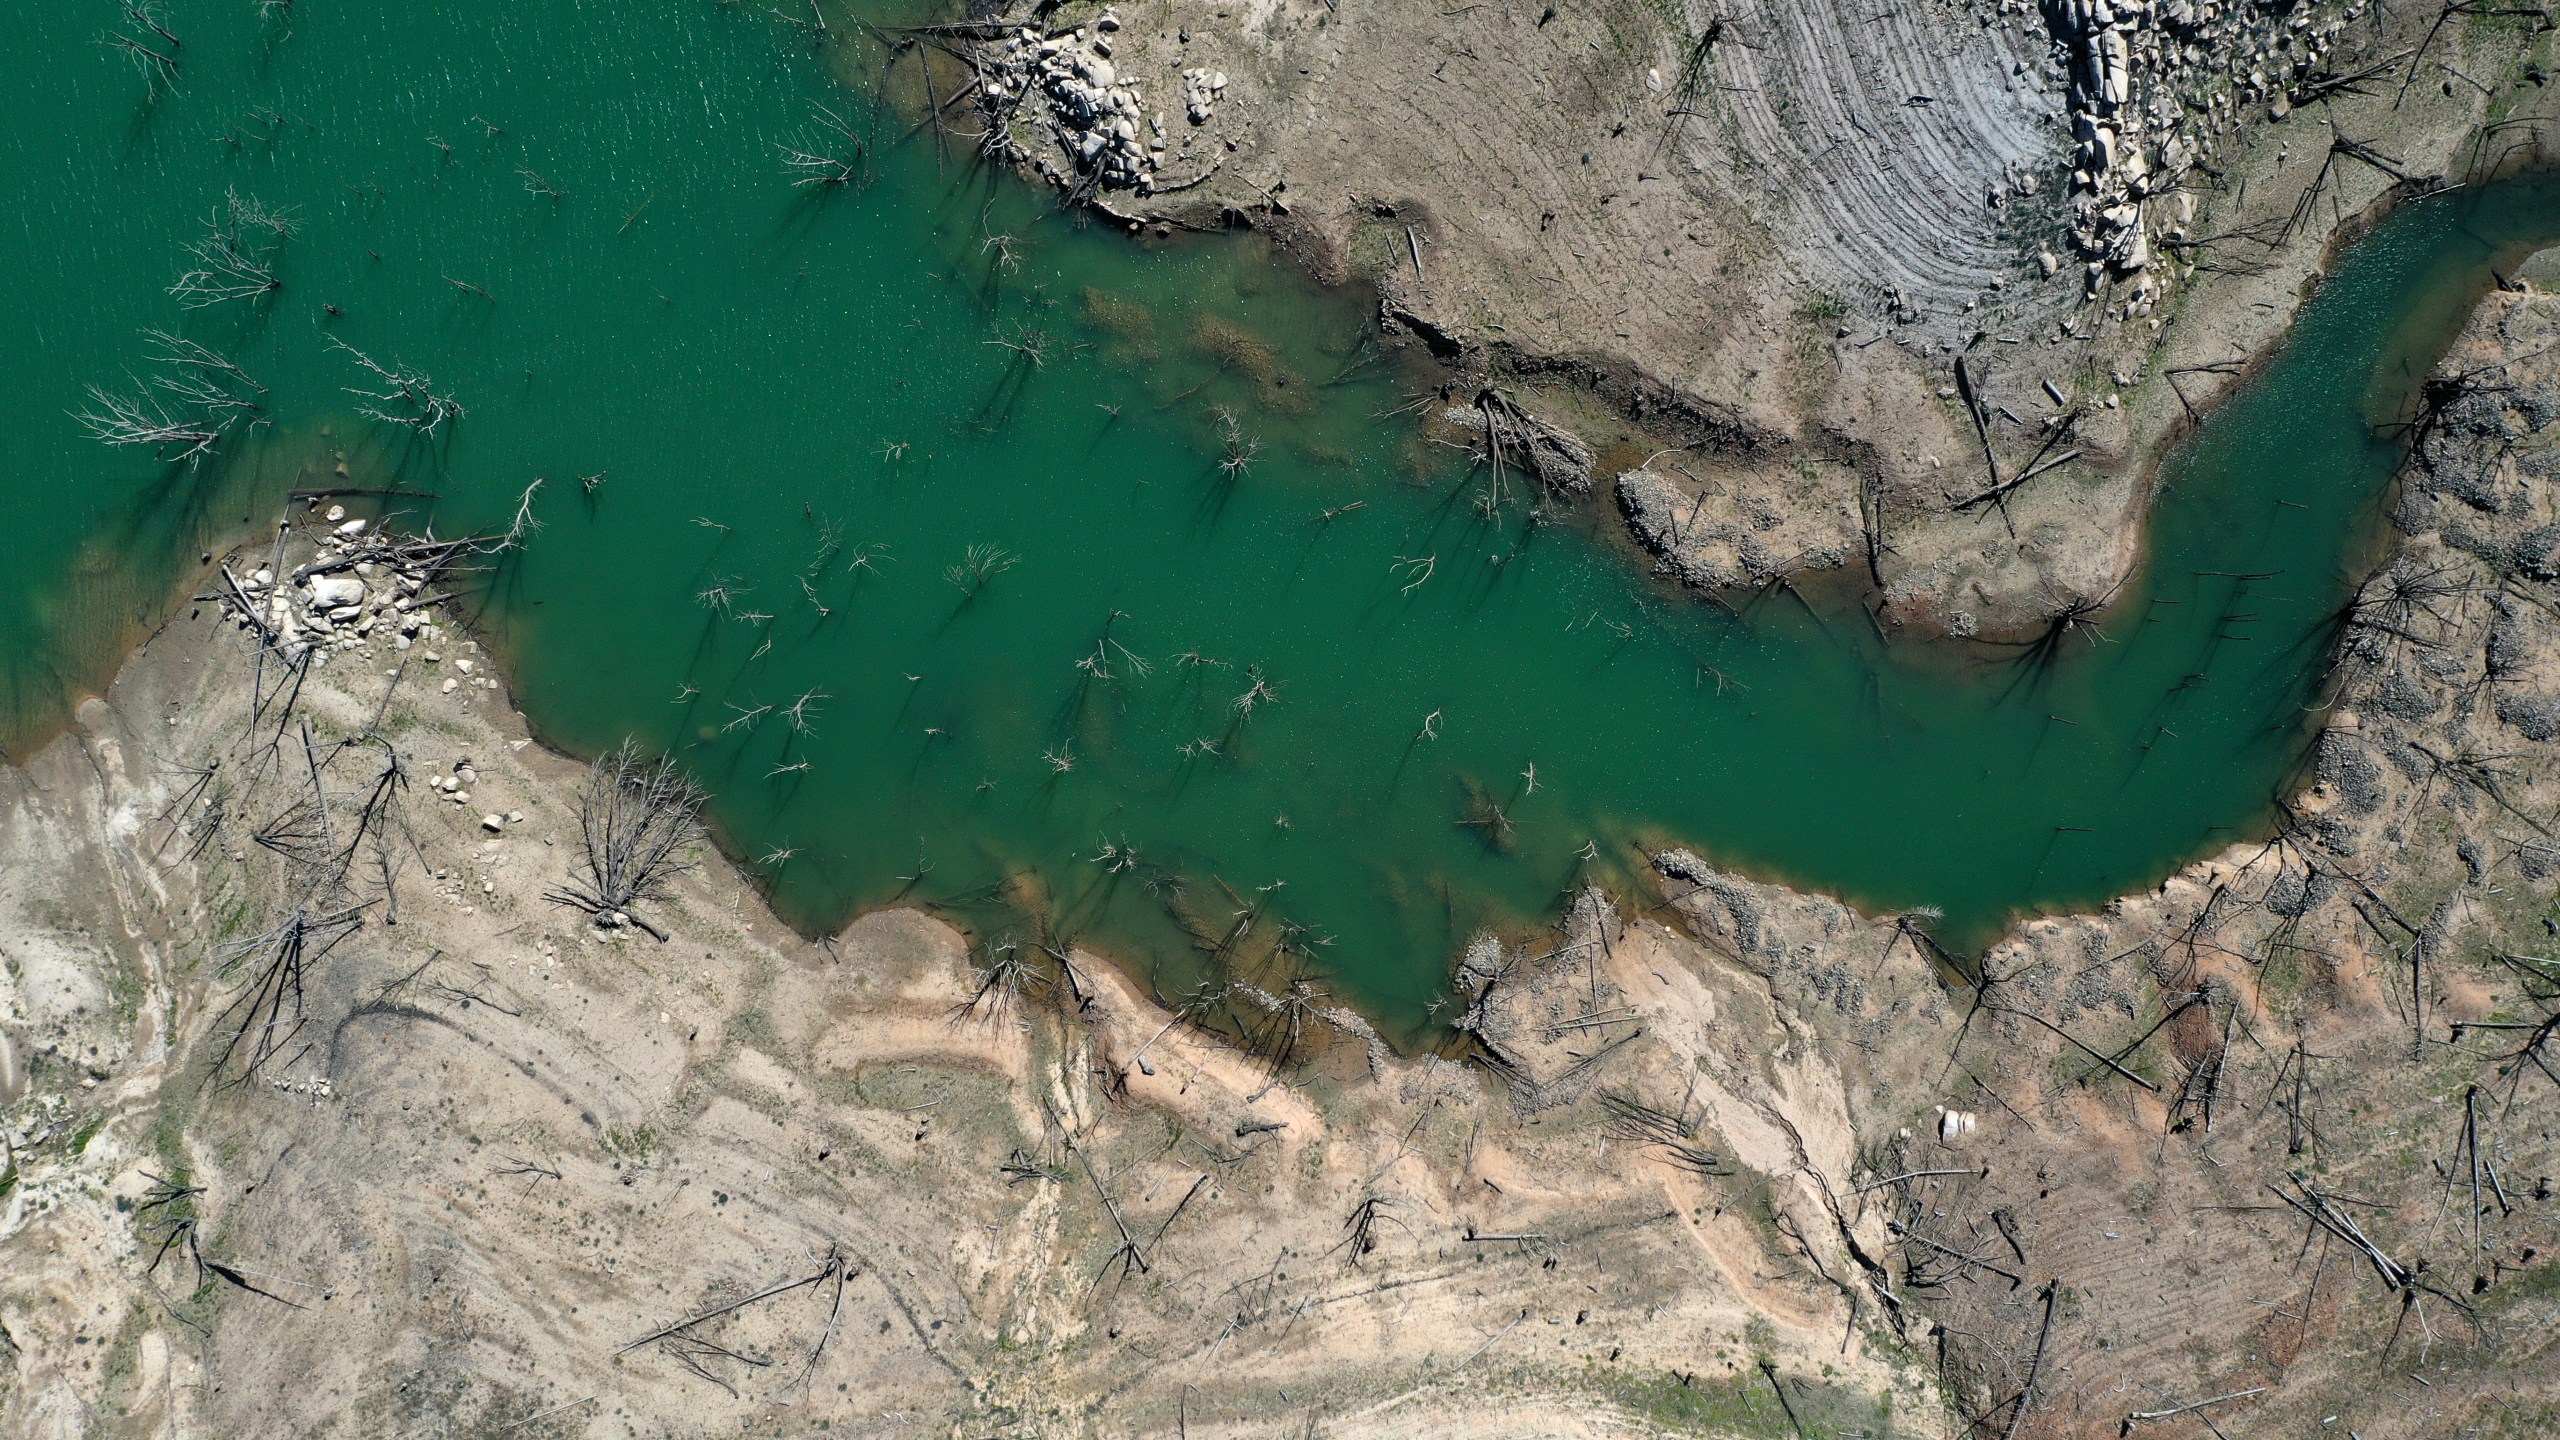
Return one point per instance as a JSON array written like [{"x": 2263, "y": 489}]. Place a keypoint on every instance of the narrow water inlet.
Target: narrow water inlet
[{"x": 944, "y": 468}]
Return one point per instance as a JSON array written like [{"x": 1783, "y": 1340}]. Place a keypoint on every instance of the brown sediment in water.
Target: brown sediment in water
[
  {"x": 1231, "y": 348},
  {"x": 1131, "y": 324}
]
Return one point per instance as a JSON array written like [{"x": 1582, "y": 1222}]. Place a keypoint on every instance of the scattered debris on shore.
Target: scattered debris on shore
[
  {"x": 361, "y": 585},
  {"x": 1509, "y": 439}
]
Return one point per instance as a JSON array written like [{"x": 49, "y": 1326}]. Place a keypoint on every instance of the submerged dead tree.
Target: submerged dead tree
[
  {"x": 235, "y": 258},
  {"x": 175, "y": 438},
  {"x": 1237, "y": 451},
  {"x": 211, "y": 394},
  {"x": 636, "y": 821},
  {"x": 979, "y": 565},
  {"x": 837, "y": 155},
  {"x": 148, "y": 42},
  {"x": 411, "y": 395}
]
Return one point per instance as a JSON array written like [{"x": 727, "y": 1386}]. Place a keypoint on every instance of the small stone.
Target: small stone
[
  {"x": 493, "y": 825},
  {"x": 449, "y": 686}
]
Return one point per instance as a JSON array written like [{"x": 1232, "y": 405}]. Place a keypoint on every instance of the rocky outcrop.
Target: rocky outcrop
[
  {"x": 358, "y": 583},
  {"x": 1713, "y": 546},
  {"x": 1059, "y": 96},
  {"x": 2156, "y": 86}
]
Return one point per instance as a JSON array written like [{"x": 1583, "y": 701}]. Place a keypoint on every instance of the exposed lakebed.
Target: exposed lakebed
[{"x": 811, "y": 404}]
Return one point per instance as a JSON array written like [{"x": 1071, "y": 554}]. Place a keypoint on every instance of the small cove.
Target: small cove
[{"x": 574, "y": 217}]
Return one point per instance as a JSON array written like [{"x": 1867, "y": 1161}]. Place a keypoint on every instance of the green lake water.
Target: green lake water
[{"x": 788, "y": 365}]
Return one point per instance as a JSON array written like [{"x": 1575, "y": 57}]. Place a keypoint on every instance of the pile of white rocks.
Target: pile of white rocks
[
  {"x": 1067, "y": 87},
  {"x": 357, "y": 590},
  {"x": 1201, "y": 90},
  {"x": 2153, "y": 87}
]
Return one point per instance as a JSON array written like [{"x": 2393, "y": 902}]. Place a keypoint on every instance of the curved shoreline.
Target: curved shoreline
[
  {"x": 1960, "y": 653},
  {"x": 737, "y": 860},
  {"x": 1608, "y": 813},
  {"x": 1706, "y": 1158}
]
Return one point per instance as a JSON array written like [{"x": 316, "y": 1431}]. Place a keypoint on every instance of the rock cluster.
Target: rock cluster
[
  {"x": 1742, "y": 541},
  {"x": 355, "y": 590},
  {"x": 1066, "y": 86},
  {"x": 1201, "y": 90},
  {"x": 2153, "y": 86},
  {"x": 455, "y": 785}
]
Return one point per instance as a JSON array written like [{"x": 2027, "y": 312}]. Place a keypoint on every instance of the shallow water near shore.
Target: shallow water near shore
[{"x": 815, "y": 403}]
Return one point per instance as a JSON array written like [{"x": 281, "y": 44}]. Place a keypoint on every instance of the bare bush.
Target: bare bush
[
  {"x": 268, "y": 972},
  {"x": 637, "y": 819}
]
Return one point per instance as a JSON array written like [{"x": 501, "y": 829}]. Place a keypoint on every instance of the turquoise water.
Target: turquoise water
[{"x": 780, "y": 386}]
